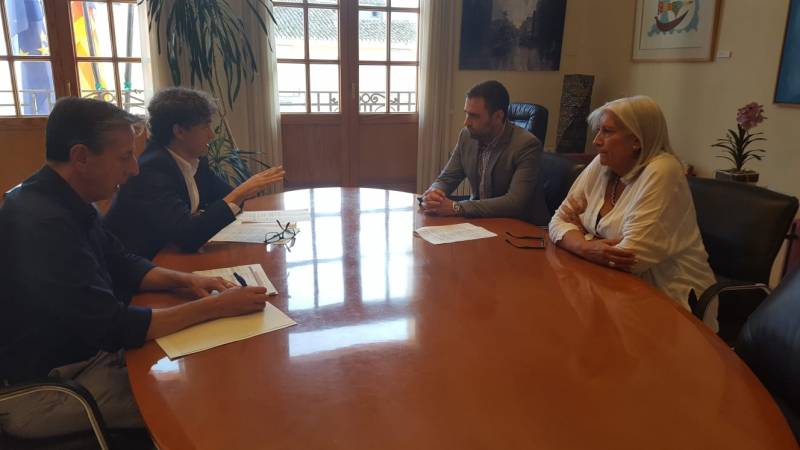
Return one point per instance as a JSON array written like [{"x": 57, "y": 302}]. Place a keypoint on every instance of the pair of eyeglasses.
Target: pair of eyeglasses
[
  {"x": 284, "y": 237},
  {"x": 538, "y": 239}
]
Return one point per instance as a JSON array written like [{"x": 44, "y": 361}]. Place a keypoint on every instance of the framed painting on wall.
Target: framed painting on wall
[
  {"x": 675, "y": 30},
  {"x": 511, "y": 34},
  {"x": 787, "y": 90}
]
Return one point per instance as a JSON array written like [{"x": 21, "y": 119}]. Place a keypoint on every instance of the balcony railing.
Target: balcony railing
[
  {"x": 39, "y": 102},
  {"x": 328, "y": 101}
]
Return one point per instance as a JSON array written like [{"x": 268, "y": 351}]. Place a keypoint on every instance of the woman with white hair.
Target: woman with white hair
[{"x": 631, "y": 208}]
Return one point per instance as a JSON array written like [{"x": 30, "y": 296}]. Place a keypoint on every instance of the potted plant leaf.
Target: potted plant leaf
[
  {"x": 210, "y": 39},
  {"x": 736, "y": 145}
]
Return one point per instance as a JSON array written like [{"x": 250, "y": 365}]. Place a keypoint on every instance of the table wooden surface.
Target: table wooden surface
[{"x": 401, "y": 344}]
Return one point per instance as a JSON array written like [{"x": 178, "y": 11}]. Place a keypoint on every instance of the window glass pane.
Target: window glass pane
[
  {"x": 126, "y": 27},
  {"x": 131, "y": 80},
  {"x": 405, "y": 3},
  {"x": 372, "y": 36},
  {"x": 289, "y": 1},
  {"x": 323, "y": 28},
  {"x": 290, "y": 33},
  {"x": 372, "y": 2},
  {"x": 324, "y": 87},
  {"x": 323, "y": 2},
  {"x": 35, "y": 87},
  {"x": 6, "y": 92},
  {"x": 97, "y": 80},
  {"x": 91, "y": 29},
  {"x": 292, "y": 87},
  {"x": 27, "y": 28},
  {"x": 372, "y": 88},
  {"x": 403, "y": 89},
  {"x": 404, "y": 36}
]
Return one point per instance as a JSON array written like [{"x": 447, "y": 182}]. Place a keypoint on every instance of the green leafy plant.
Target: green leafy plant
[
  {"x": 736, "y": 142},
  {"x": 209, "y": 36},
  {"x": 228, "y": 161}
]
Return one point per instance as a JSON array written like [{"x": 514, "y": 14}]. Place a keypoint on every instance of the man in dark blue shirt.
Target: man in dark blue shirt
[{"x": 68, "y": 281}]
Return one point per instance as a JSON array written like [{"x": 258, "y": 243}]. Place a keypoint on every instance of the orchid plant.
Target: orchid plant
[{"x": 736, "y": 142}]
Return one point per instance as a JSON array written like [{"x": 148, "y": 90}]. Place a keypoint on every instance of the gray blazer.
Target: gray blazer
[{"x": 512, "y": 172}]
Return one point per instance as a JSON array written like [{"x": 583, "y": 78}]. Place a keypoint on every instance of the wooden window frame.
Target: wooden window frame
[
  {"x": 63, "y": 58},
  {"x": 388, "y": 63},
  {"x": 307, "y": 61}
]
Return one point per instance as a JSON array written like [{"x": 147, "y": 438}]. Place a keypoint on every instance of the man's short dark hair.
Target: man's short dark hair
[
  {"x": 84, "y": 121},
  {"x": 178, "y": 106},
  {"x": 493, "y": 93}
]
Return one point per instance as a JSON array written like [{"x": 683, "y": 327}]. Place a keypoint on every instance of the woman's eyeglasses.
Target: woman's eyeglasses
[{"x": 535, "y": 246}]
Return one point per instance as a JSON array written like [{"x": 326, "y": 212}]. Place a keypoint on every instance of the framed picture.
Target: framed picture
[
  {"x": 787, "y": 90},
  {"x": 675, "y": 30},
  {"x": 511, "y": 34}
]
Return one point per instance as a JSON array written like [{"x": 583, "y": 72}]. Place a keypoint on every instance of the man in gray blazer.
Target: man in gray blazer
[{"x": 500, "y": 160}]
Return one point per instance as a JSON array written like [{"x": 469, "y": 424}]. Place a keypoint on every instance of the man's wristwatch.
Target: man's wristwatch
[{"x": 457, "y": 209}]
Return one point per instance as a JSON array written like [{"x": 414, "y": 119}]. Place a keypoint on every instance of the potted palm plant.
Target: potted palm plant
[
  {"x": 736, "y": 142},
  {"x": 209, "y": 39}
]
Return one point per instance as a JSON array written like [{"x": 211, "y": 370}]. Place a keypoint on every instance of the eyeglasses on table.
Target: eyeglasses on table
[
  {"x": 285, "y": 237},
  {"x": 538, "y": 242}
]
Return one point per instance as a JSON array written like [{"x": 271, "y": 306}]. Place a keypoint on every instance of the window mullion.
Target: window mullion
[
  {"x": 10, "y": 60},
  {"x": 306, "y": 57},
  {"x": 114, "y": 62},
  {"x": 388, "y": 58}
]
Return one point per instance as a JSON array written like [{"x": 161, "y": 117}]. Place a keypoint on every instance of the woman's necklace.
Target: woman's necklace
[{"x": 614, "y": 192}]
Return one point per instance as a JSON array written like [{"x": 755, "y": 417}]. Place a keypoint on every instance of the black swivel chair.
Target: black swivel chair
[
  {"x": 770, "y": 344},
  {"x": 558, "y": 172},
  {"x": 529, "y": 116},
  {"x": 69, "y": 388},
  {"x": 743, "y": 227}
]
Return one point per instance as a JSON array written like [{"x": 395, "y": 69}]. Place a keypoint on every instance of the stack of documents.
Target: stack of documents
[
  {"x": 290, "y": 215},
  {"x": 230, "y": 329},
  {"x": 453, "y": 233},
  {"x": 252, "y": 226}
]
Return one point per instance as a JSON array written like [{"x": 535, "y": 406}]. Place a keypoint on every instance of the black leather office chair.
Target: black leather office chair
[
  {"x": 558, "y": 172},
  {"x": 743, "y": 227},
  {"x": 529, "y": 116},
  {"x": 98, "y": 438},
  {"x": 770, "y": 344}
]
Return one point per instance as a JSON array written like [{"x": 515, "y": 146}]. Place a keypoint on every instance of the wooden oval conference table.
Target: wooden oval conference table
[{"x": 401, "y": 344}]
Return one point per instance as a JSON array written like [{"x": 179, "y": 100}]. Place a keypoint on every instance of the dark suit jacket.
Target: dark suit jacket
[
  {"x": 512, "y": 173},
  {"x": 152, "y": 209}
]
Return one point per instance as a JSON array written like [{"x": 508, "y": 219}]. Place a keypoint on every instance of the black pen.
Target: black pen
[{"x": 240, "y": 279}]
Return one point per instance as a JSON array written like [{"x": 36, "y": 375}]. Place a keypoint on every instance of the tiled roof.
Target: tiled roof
[{"x": 323, "y": 27}]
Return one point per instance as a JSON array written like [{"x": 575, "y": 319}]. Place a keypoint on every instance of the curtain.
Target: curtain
[
  {"x": 255, "y": 119},
  {"x": 436, "y": 43}
]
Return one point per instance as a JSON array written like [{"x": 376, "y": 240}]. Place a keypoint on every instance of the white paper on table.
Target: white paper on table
[
  {"x": 223, "y": 331},
  {"x": 254, "y": 233},
  {"x": 253, "y": 274},
  {"x": 453, "y": 233},
  {"x": 229, "y": 329},
  {"x": 291, "y": 216}
]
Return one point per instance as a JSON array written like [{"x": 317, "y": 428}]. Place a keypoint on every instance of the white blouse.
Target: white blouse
[{"x": 655, "y": 218}]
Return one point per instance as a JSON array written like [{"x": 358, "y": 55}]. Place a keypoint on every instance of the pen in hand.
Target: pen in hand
[{"x": 240, "y": 279}]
